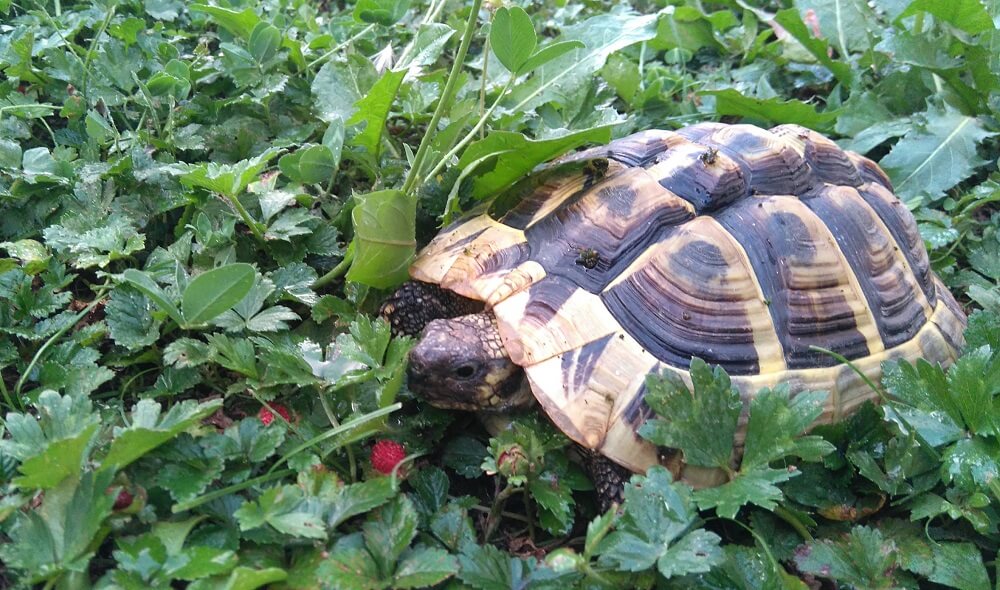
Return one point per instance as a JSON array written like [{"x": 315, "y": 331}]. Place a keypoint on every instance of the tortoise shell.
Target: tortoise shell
[{"x": 741, "y": 246}]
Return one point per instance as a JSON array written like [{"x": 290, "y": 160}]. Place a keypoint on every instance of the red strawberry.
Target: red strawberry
[
  {"x": 386, "y": 454},
  {"x": 123, "y": 500},
  {"x": 266, "y": 416}
]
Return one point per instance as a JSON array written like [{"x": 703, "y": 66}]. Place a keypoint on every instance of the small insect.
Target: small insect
[
  {"x": 588, "y": 258},
  {"x": 596, "y": 168},
  {"x": 709, "y": 156}
]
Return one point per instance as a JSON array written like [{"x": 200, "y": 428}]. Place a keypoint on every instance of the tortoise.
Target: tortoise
[{"x": 742, "y": 246}]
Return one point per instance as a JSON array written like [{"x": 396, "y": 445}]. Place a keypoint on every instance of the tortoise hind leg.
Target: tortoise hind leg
[
  {"x": 416, "y": 304},
  {"x": 609, "y": 478}
]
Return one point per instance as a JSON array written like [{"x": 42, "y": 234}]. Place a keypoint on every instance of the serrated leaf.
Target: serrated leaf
[
  {"x": 517, "y": 155},
  {"x": 265, "y": 39},
  {"x": 772, "y": 110},
  {"x": 150, "y": 429},
  {"x": 777, "y": 421},
  {"x": 751, "y": 487},
  {"x": 863, "y": 559},
  {"x": 936, "y": 156},
  {"x": 130, "y": 320},
  {"x": 373, "y": 109},
  {"x": 215, "y": 291},
  {"x": 389, "y": 531},
  {"x": 701, "y": 424},
  {"x": 969, "y": 15},
  {"x": 424, "y": 567},
  {"x": 791, "y": 21},
  {"x": 350, "y": 566},
  {"x": 310, "y": 165}
]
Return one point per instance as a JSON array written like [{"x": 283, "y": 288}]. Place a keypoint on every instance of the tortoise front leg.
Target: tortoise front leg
[{"x": 609, "y": 477}]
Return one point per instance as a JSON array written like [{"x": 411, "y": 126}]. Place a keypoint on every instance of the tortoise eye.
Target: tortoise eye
[{"x": 465, "y": 371}]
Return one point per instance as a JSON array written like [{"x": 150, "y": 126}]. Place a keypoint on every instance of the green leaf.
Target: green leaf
[
  {"x": 60, "y": 460},
  {"x": 850, "y": 25},
  {"x": 658, "y": 528},
  {"x": 424, "y": 567},
  {"x": 338, "y": 86},
  {"x": 512, "y": 37},
  {"x": 373, "y": 109},
  {"x": 350, "y": 566},
  {"x": 772, "y": 110},
  {"x": 389, "y": 531},
  {"x": 241, "y": 24},
  {"x": 58, "y": 536},
  {"x": 776, "y": 422},
  {"x": 357, "y": 498},
  {"x": 229, "y": 180},
  {"x": 548, "y": 53},
  {"x": 383, "y": 12},
  {"x": 561, "y": 80},
  {"x": 703, "y": 424},
  {"x": 310, "y": 165},
  {"x": 130, "y": 320},
  {"x": 863, "y": 559},
  {"x": 936, "y": 155},
  {"x": 752, "y": 487},
  {"x": 969, "y": 15},
  {"x": 517, "y": 155},
  {"x": 149, "y": 429},
  {"x": 384, "y": 240},
  {"x": 465, "y": 454},
  {"x": 819, "y": 48},
  {"x": 215, "y": 291},
  {"x": 242, "y": 578},
  {"x": 971, "y": 464},
  {"x": 264, "y": 41},
  {"x": 284, "y": 508}
]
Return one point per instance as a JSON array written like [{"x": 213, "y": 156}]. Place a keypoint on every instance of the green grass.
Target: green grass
[{"x": 204, "y": 204}]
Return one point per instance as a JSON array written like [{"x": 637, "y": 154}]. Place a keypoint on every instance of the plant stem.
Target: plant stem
[
  {"x": 785, "y": 515},
  {"x": 447, "y": 95},
  {"x": 340, "y": 46},
  {"x": 493, "y": 518},
  {"x": 471, "y": 135},
  {"x": 249, "y": 221},
  {"x": 99, "y": 297},
  {"x": 337, "y": 271},
  {"x": 183, "y": 506}
]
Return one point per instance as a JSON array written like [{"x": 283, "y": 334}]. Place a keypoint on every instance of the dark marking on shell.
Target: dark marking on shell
[
  {"x": 650, "y": 305},
  {"x": 872, "y": 254},
  {"x": 903, "y": 227},
  {"x": 804, "y": 313},
  {"x": 578, "y": 365},
  {"x": 546, "y": 298}
]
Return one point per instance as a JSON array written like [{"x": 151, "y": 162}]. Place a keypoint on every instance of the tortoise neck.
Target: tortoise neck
[{"x": 416, "y": 304}]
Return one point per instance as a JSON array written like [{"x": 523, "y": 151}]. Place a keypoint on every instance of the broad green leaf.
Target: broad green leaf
[
  {"x": 241, "y": 24},
  {"x": 373, "y": 108},
  {"x": 310, "y": 165},
  {"x": 850, "y": 25},
  {"x": 389, "y": 531},
  {"x": 430, "y": 41},
  {"x": 229, "y": 180},
  {"x": 130, "y": 320},
  {"x": 777, "y": 421},
  {"x": 383, "y": 12},
  {"x": 753, "y": 487},
  {"x": 350, "y": 566},
  {"x": 338, "y": 86},
  {"x": 59, "y": 535},
  {"x": 702, "y": 423},
  {"x": 656, "y": 529},
  {"x": 264, "y": 41},
  {"x": 286, "y": 509},
  {"x": 792, "y": 22},
  {"x": 512, "y": 37},
  {"x": 424, "y": 567},
  {"x": 863, "y": 559},
  {"x": 969, "y": 15},
  {"x": 771, "y": 111},
  {"x": 971, "y": 464},
  {"x": 357, "y": 498},
  {"x": 936, "y": 155},
  {"x": 149, "y": 429},
  {"x": 242, "y": 578},
  {"x": 60, "y": 460},
  {"x": 384, "y": 238},
  {"x": 562, "y": 79},
  {"x": 547, "y": 54},
  {"x": 684, "y": 28},
  {"x": 517, "y": 155},
  {"x": 215, "y": 291}
]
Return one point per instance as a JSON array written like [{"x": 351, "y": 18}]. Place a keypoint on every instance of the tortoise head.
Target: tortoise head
[{"x": 461, "y": 364}]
